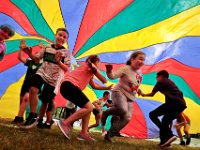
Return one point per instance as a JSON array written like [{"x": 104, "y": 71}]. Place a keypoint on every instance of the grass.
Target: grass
[{"x": 41, "y": 139}]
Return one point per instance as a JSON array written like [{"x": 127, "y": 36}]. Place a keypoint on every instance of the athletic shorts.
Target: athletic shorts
[
  {"x": 72, "y": 93},
  {"x": 25, "y": 88},
  {"x": 47, "y": 93},
  {"x": 95, "y": 111}
]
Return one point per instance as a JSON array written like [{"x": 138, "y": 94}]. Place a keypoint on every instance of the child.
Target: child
[
  {"x": 123, "y": 94},
  {"x": 24, "y": 94},
  {"x": 174, "y": 105},
  {"x": 183, "y": 121},
  {"x": 97, "y": 111},
  {"x": 5, "y": 33},
  {"x": 71, "y": 89},
  {"x": 56, "y": 60}
]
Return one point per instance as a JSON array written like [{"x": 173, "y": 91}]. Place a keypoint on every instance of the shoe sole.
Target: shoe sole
[
  {"x": 172, "y": 139},
  {"x": 81, "y": 139},
  {"x": 60, "y": 126},
  {"x": 29, "y": 126}
]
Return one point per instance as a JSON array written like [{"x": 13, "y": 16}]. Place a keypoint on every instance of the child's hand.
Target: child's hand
[
  {"x": 24, "y": 47},
  {"x": 109, "y": 68},
  {"x": 58, "y": 56}
]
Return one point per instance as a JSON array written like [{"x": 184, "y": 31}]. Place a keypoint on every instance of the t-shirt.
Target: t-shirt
[
  {"x": 80, "y": 77},
  {"x": 129, "y": 81},
  {"x": 172, "y": 93},
  {"x": 2, "y": 49},
  {"x": 50, "y": 71},
  {"x": 101, "y": 102},
  {"x": 32, "y": 69}
]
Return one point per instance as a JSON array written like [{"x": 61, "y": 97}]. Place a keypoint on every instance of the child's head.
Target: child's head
[
  {"x": 162, "y": 74},
  {"x": 106, "y": 94},
  {"x": 93, "y": 59},
  {"x": 6, "y": 32},
  {"x": 61, "y": 36},
  {"x": 136, "y": 60}
]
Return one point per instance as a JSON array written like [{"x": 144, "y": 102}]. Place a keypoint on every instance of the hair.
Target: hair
[
  {"x": 133, "y": 56},
  {"x": 62, "y": 29},
  {"x": 106, "y": 93},
  {"x": 92, "y": 59},
  {"x": 7, "y": 29},
  {"x": 163, "y": 73}
]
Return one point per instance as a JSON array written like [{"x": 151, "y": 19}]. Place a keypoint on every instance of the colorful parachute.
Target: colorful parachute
[{"x": 167, "y": 31}]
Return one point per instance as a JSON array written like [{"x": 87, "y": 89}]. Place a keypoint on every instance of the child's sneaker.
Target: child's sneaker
[
  {"x": 40, "y": 123},
  {"x": 31, "y": 120},
  {"x": 18, "y": 120},
  {"x": 168, "y": 141},
  {"x": 65, "y": 129},
  {"x": 84, "y": 137},
  {"x": 188, "y": 140},
  {"x": 48, "y": 125},
  {"x": 104, "y": 133},
  {"x": 182, "y": 143}
]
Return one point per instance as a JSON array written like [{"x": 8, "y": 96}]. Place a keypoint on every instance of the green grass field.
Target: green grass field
[{"x": 35, "y": 139}]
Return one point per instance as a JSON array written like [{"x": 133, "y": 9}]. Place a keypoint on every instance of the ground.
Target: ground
[{"x": 35, "y": 139}]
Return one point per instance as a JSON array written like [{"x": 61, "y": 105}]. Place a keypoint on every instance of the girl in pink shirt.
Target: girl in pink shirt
[{"x": 71, "y": 89}]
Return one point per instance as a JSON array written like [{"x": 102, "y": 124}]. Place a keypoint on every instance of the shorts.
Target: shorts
[
  {"x": 47, "y": 93},
  {"x": 25, "y": 88},
  {"x": 73, "y": 94},
  {"x": 95, "y": 111}
]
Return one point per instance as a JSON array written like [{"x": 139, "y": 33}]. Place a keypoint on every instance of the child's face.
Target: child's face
[
  {"x": 158, "y": 78},
  {"x": 61, "y": 38},
  {"x": 107, "y": 96},
  {"x": 138, "y": 62},
  {"x": 97, "y": 64},
  {"x": 4, "y": 35}
]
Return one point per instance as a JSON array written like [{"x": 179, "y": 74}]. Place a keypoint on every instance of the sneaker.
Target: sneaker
[
  {"x": 182, "y": 143},
  {"x": 169, "y": 141},
  {"x": 84, "y": 137},
  {"x": 188, "y": 140},
  {"x": 104, "y": 133},
  {"x": 48, "y": 125},
  {"x": 31, "y": 121},
  {"x": 108, "y": 138},
  {"x": 40, "y": 123},
  {"x": 18, "y": 120},
  {"x": 65, "y": 129}
]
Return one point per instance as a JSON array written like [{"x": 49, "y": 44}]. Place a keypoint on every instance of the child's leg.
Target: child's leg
[
  {"x": 24, "y": 105},
  {"x": 87, "y": 109},
  {"x": 97, "y": 118},
  {"x": 33, "y": 99},
  {"x": 186, "y": 130},
  {"x": 21, "y": 100},
  {"x": 49, "y": 112},
  {"x": 43, "y": 110},
  {"x": 178, "y": 129},
  {"x": 85, "y": 123}
]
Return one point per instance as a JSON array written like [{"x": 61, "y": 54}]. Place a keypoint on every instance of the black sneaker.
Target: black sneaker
[
  {"x": 108, "y": 137},
  {"x": 31, "y": 120},
  {"x": 188, "y": 140},
  {"x": 182, "y": 143},
  {"x": 48, "y": 125},
  {"x": 18, "y": 120},
  {"x": 40, "y": 123}
]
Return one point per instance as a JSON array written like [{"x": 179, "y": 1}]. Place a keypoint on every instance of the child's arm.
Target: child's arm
[
  {"x": 96, "y": 105},
  {"x": 98, "y": 86},
  {"x": 148, "y": 95},
  {"x": 108, "y": 105},
  {"x": 100, "y": 77},
  {"x": 114, "y": 75},
  {"x": 20, "y": 57},
  {"x": 63, "y": 66}
]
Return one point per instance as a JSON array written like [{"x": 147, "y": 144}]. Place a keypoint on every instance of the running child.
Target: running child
[
  {"x": 5, "y": 33},
  {"x": 173, "y": 106},
  {"x": 123, "y": 94},
  {"x": 71, "y": 89},
  {"x": 97, "y": 111},
  {"x": 24, "y": 94},
  {"x": 183, "y": 121},
  {"x": 56, "y": 61}
]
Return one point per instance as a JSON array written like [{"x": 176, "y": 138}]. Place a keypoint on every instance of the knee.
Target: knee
[
  {"x": 89, "y": 107},
  {"x": 33, "y": 90}
]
